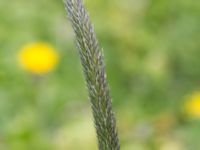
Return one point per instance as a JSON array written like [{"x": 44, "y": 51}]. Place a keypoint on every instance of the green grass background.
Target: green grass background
[{"x": 152, "y": 55}]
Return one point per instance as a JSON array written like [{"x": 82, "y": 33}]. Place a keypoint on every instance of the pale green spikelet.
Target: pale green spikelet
[{"x": 93, "y": 66}]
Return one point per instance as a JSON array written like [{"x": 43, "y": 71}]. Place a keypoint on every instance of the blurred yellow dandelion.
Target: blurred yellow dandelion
[
  {"x": 192, "y": 106},
  {"x": 38, "y": 58}
]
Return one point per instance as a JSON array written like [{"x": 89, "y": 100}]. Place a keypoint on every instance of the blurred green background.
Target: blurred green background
[{"x": 152, "y": 55}]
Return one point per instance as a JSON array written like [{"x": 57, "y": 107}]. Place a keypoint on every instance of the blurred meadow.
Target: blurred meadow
[{"x": 152, "y": 55}]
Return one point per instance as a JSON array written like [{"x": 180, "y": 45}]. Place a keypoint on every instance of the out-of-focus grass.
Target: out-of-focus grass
[{"x": 152, "y": 59}]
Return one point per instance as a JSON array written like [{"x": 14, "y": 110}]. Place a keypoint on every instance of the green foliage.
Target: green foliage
[{"x": 152, "y": 60}]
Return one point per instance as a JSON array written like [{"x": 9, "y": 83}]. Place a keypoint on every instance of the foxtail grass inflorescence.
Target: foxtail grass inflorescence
[{"x": 92, "y": 61}]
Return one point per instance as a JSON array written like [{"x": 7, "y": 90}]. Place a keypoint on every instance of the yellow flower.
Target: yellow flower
[
  {"x": 192, "y": 106},
  {"x": 38, "y": 58}
]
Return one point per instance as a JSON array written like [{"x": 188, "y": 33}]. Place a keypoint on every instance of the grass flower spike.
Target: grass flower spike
[
  {"x": 38, "y": 58},
  {"x": 93, "y": 66}
]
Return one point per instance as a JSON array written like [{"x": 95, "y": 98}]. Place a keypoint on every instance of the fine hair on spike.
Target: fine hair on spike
[{"x": 92, "y": 61}]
